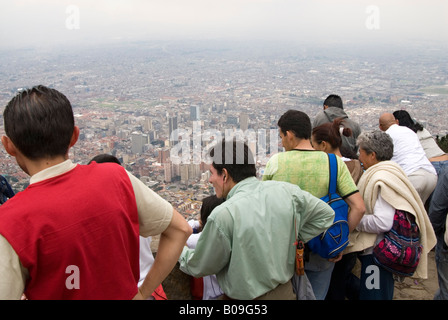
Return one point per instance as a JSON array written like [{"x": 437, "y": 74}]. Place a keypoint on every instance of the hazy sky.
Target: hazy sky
[{"x": 46, "y": 22}]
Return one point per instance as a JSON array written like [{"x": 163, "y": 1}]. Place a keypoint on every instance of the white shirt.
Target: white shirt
[
  {"x": 408, "y": 151},
  {"x": 379, "y": 222}
]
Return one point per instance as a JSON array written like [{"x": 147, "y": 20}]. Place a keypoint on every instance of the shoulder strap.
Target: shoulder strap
[{"x": 333, "y": 173}]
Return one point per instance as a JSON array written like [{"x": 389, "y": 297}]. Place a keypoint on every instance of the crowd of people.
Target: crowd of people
[{"x": 84, "y": 231}]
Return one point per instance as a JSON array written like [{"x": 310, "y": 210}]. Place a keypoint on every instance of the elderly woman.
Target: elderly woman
[{"x": 385, "y": 188}]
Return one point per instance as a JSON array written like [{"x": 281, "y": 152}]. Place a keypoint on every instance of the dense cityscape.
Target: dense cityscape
[{"x": 129, "y": 99}]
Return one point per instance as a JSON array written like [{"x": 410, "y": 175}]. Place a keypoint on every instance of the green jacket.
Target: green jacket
[{"x": 249, "y": 240}]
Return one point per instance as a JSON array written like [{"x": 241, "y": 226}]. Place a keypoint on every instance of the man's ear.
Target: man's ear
[
  {"x": 75, "y": 136},
  {"x": 9, "y": 146},
  {"x": 225, "y": 173},
  {"x": 290, "y": 134}
]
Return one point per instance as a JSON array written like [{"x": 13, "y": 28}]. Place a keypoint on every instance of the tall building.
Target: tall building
[
  {"x": 168, "y": 171},
  {"x": 137, "y": 143},
  {"x": 172, "y": 126},
  {"x": 164, "y": 155},
  {"x": 195, "y": 113},
  {"x": 147, "y": 124}
]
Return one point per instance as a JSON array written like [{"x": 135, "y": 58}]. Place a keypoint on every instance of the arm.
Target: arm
[
  {"x": 312, "y": 215},
  {"x": 212, "y": 252},
  {"x": 12, "y": 274},
  {"x": 171, "y": 243},
  {"x": 439, "y": 204},
  {"x": 381, "y": 220},
  {"x": 356, "y": 211},
  {"x": 320, "y": 119}
]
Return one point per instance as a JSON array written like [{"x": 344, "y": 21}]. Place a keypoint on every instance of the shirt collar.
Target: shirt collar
[
  {"x": 241, "y": 186},
  {"x": 53, "y": 171}
]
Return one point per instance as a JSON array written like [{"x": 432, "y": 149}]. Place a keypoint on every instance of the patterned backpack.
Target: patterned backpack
[{"x": 400, "y": 250}]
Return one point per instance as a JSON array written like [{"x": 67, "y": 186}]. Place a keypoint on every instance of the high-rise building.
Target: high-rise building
[
  {"x": 137, "y": 142},
  {"x": 172, "y": 126},
  {"x": 163, "y": 156},
  {"x": 195, "y": 113},
  {"x": 147, "y": 124},
  {"x": 168, "y": 171}
]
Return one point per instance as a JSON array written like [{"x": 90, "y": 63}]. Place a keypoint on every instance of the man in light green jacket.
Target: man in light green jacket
[{"x": 249, "y": 240}]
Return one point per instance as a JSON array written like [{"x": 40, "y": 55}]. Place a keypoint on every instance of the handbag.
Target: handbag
[{"x": 400, "y": 250}]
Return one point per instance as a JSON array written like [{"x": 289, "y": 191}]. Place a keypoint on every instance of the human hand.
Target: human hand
[{"x": 337, "y": 258}]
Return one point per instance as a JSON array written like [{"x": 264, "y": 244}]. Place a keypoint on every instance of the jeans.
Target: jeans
[
  {"x": 442, "y": 269},
  {"x": 318, "y": 270},
  {"x": 439, "y": 166},
  {"x": 376, "y": 283}
]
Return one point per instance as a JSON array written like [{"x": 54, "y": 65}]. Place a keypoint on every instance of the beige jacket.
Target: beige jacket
[{"x": 397, "y": 190}]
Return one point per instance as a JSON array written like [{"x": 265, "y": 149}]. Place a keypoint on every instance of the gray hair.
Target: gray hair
[{"x": 376, "y": 141}]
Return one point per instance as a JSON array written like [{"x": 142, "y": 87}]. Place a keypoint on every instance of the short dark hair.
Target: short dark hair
[
  {"x": 40, "y": 122},
  {"x": 104, "y": 157},
  {"x": 297, "y": 122},
  {"x": 333, "y": 100},
  {"x": 405, "y": 120},
  {"x": 208, "y": 204},
  {"x": 234, "y": 156}
]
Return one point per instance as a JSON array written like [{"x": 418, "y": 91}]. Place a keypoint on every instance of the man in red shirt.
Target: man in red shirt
[{"x": 73, "y": 232}]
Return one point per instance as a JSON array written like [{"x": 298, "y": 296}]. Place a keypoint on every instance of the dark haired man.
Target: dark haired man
[
  {"x": 309, "y": 169},
  {"x": 333, "y": 108},
  {"x": 249, "y": 240},
  {"x": 73, "y": 233}
]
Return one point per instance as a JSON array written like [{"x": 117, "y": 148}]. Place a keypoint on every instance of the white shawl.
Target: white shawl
[{"x": 397, "y": 190}]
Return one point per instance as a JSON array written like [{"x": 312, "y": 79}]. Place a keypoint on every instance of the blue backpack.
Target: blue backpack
[{"x": 334, "y": 240}]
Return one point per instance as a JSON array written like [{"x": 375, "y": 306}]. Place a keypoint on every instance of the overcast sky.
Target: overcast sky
[{"x": 46, "y": 22}]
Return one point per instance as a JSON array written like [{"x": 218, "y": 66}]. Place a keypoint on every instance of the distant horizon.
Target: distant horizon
[{"x": 261, "y": 46}]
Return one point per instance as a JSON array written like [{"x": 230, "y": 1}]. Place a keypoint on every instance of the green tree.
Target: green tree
[{"x": 443, "y": 143}]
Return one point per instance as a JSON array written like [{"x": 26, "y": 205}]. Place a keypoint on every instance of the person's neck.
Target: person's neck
[
  {"x": 303, "y": 144},
  {"x": 35, "y": 166},
  {"x": 337, "y": 152}
]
